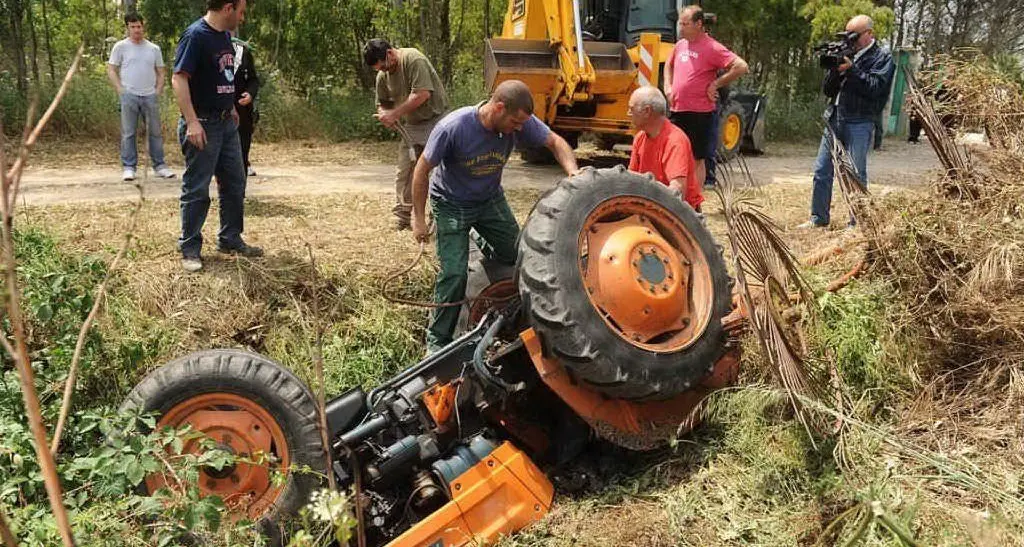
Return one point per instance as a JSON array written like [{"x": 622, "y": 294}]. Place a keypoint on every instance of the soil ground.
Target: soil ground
[{"x": 89, "y": 172}]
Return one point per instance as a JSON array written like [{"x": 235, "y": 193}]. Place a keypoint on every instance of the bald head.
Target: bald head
[
  {"x": 515, "y": 95},
  {"x": 648, "y": 97},
  {"x": 859, "y": 24}
]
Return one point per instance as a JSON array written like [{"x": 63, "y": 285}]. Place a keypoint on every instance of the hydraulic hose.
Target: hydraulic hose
[{"x": 478, "y": 358}]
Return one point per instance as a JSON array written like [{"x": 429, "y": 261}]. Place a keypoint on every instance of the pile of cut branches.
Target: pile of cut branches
[{"x": 957, "y": 255}]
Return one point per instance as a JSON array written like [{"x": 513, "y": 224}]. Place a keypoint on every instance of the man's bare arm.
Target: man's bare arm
[
  {"x": 667, "y": 84},
  {"x": 678, "y": 184},
  {"x": 160, "y": 73},
  {"x": 420, "y": 184},
  {"x": 195, "y": 132},
  {"x": 564, "y": 154},
  {"x": 412, "y": 102},
  {"x": 115, "y": 78},
  {"x": 183, "y": 96},
  {"x": 738, "y": 67}
]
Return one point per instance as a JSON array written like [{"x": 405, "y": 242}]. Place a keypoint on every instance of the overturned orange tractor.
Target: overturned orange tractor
[{"x": 617, "y": 322}]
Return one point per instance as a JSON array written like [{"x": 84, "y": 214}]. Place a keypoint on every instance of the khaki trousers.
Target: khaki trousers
[{"x": 406, "y": 163}]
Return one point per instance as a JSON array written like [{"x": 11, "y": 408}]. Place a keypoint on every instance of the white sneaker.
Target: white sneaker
[
  {"x": 164, "y": 173},
  {"x": 251, "y": 172},
  {"x": 128, "y": 174},
  {"x": 810, "y": 224},
  {"x": 192, "y": 264}
]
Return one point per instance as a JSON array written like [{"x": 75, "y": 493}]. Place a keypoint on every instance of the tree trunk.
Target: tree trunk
[
  {"x": 30, "y": 18},
  {"x": 901, "y": 16},
  {"x": 17, "y": 45},
  {"x": 49, "y": 44},
  {"x": 444, "y": 40},
  {"x": 917, "y": 24},
  {"x": 106, "y": 20}
]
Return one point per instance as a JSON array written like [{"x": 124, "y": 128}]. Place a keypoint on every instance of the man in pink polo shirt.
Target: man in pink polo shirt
[{"x": 692, "y": 81}]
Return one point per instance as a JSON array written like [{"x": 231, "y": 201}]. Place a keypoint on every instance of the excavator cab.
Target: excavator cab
[{"x": 624, "y": 21}]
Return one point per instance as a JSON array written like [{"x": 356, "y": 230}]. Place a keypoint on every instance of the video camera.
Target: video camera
[{"x": 831, "y": 54}]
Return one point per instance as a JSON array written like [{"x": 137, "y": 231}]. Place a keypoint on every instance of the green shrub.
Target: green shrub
[{"x": 794, "y": 119}]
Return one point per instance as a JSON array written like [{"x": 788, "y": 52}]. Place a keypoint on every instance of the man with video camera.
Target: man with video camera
[{"x": 859, "y": 75}]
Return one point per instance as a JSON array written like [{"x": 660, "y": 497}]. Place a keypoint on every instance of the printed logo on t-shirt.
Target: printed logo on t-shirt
[
  {"x": 686, "y": 55},
  {"x": 226, "y": 64},
  {"x": 485, "y": 164}
]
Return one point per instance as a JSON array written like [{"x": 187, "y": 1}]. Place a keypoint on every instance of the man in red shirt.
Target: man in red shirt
[
  {"x": 661, "y": 148},
  {"x": 691, "y": 81}
]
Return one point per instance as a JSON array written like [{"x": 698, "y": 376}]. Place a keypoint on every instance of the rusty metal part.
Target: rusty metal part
[
  {"x": 638, "y": 425},
  {"x": 239, "y": 426},
  {"x": 496, "y": 293},
  {"x": 645, "y": 274},
  {"x": 767, "y": 273},
  {"x": 440, "y": 402}
]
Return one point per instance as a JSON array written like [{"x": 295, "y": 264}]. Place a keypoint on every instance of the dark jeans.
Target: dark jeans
[
  {"x": 222, "y": 157},
  {"x": 711, "y": 161},
  {"x": 496, "y": 233},
  {"x": 856, "y": 138},
  {"x": 246, "y": 125}
]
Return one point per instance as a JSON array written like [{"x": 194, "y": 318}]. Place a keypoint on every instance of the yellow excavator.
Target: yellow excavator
[{"x": 583, "y": 58}]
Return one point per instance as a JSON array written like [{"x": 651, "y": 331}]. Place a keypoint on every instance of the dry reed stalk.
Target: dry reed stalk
[
  {"x": 9, "y": 184},
  {"x": 318, "y": 365}
]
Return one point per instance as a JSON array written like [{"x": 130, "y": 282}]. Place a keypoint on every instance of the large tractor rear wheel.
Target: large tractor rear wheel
[
  {"x": 255, "y": 409},
  {"x": 732, "y": 127},
  {"x": 625, "y": 285}
]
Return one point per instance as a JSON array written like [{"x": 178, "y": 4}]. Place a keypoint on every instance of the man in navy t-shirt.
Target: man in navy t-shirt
[
  {"x": 467, "y": 151},
  {"x": 204, "y": 85}
]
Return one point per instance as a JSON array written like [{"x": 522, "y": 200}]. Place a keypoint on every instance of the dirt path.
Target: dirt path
[{"x": 896, "y": 165}]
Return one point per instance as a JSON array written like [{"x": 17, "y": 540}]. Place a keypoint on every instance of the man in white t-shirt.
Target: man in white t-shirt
[{"x": 136, "y": 68}]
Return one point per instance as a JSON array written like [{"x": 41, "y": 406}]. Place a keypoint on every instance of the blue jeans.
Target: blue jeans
[
  {"x": 222, "y": 157},
  {"x": 148, "y": 108},
  {"x": 856, "y": 137}
]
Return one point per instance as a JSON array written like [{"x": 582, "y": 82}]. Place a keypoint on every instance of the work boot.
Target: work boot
[
  {"x": 402, "y": 224},
  {"x": 246, "y": 250}
]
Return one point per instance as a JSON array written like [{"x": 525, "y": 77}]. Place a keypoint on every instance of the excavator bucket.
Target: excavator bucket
[
  {"x": 531, "y": 61},
  {"x": 534, "y": 62}
]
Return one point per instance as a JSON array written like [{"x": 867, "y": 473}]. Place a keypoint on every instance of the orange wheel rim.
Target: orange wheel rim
[
  {"x": 244, "y": 428},
  {"x": 731, "y": 131},
  {"x": 645, "y": 274}
]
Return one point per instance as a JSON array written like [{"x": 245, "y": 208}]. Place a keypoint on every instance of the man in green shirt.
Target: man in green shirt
[{"x": 409, "y": 92}]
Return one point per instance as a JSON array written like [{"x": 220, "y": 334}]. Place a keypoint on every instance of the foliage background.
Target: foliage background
[{"x": 308, "y": 52}]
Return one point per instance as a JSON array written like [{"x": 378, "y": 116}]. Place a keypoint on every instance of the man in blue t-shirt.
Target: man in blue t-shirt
[
  {"x": 204, "y": 85},
  {"x": 467, "y": 151}
]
